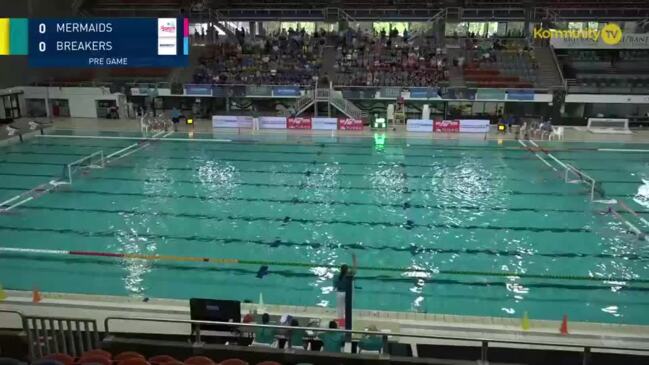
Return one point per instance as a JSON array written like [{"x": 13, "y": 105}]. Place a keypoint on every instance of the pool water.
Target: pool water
[{"x": 399, "y": 205}]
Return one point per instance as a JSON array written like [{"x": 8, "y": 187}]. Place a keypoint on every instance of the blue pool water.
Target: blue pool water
[{"x": 474, "y": 206}]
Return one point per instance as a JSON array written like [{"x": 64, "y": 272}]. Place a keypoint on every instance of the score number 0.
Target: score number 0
[{"x": 41, "y": 30}]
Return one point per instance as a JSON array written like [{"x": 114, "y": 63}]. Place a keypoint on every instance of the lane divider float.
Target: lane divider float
[{"x": 231, "y": 261}]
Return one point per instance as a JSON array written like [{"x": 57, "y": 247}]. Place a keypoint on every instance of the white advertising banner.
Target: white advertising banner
[
  {"x": 474, "y": 125},
  {"x": 324, "y": 123},
  {"x": 420, "y": 125},
  {"x": 628, "y": 41},
  {"x": 231, "y": 121},
  {"x": 272, "y": 123},
  {"x": 167, "y": 43}
]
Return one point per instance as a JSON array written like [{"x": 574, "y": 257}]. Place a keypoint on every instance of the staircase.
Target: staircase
[
  {"x": 548, "y": 72},
  {"x": 334, "y": 98},
  {"x": 220, "y": 21},
  {"x": 328, "y": 62},
  {"x": 455, "y": 74},
  {"x": 301, "y": 105},
  {"x": 345, "y": 106}
]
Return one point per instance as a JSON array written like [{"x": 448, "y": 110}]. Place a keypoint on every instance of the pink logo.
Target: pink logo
[
  {"x": 298, "y": 123},
  {"x": 168, "y": 28},
  {"x": 351, "y": 124}
]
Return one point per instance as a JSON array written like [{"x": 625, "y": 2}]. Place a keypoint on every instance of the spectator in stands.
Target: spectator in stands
[
  {"x": 264, "y": 336},
  {"x": 371, "y": 342},
  {"x": 296, "y": 337},
  {"x": 332, "y": 341}
]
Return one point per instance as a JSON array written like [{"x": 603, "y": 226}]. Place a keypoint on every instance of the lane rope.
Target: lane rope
[{"x": 402, "y": 270}]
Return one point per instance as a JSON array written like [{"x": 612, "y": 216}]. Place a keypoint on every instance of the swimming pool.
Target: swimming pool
[{"x": 464, "y": 211}]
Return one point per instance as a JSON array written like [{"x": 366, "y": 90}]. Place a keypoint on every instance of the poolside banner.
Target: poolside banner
[
  {"x": 286, "y": 91},
  {"x": 272, "y": 123},
  {"x": 446, "y": 126},
  {"x": 350, "y": 124},
  {"x": 513, "y": 94},
  {"x": 460, "y": 94},
  {"x": 298, "y": 123},
  {"x": 329, "y": 124},
  {"x": 198, "y": 90},
  {"x": 419, "y": 125},
  {"x": 474, "y": 125},
  {"x": 490, "y": 94},
  {"x": 424, "y": 93},
  {"x": 244, "y": 122},
  {"x": 231, "y": 121},
  {"x": 139, "y": 91}
]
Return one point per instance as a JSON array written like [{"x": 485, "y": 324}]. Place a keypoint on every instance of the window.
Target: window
[{"x": 399, "y": 26}]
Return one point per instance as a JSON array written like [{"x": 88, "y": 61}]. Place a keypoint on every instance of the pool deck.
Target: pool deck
[
  {"x": 94, "y": 126},
  {"x": 457, "y": 330},
  {"x": 460, "y": 328}
]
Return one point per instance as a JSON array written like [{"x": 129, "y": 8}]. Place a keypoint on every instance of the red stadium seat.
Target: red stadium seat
[
  {"x": 134, "y": 361},
  {"x": 233, "y": 362},
  {"x": 64, "y": 359},
  {"x": 163, "y": 359},
  {"x": 199, "y": 360},
  {"x": 95, "y": 359},
  {"x": 128, "y": 355},
  {"x": 98, "y": 352},
  {"x": 269, "y": 363}
]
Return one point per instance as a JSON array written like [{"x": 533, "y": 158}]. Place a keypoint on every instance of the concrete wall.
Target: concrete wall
[{"x": 82, "y": 100}]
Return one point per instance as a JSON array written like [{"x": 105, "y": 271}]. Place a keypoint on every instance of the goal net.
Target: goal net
[
  {"x": 608, "y": 125},
  {"x": 576, "y": 176},
  {"x": 92, "y": 161}
]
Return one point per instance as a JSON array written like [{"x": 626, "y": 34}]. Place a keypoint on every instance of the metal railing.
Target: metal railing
[
  {"x": 322, "y": 94},
  {"x": 47, "y": 335},
  {"x": 480, "y": 340},
  {"x": 221, "y": 21},
  {"x": 346, "y": 107},
  {"x": 564, "y": 82}
]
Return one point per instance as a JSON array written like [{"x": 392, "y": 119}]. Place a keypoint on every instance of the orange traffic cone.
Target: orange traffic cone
[
  {"x": 564, "y": 325},
  {"x": 36, "y": 295}
]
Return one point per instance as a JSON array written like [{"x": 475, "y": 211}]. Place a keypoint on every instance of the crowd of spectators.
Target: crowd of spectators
[
  {"x": 283, "y": 58},
  {"x": 389, "y": 59}
]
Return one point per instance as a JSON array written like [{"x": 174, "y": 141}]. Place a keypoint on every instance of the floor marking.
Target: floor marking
[
  {"x": 30, "y": 195},
  {"x": 120, "y": 151},
  {"x": 634, "y": 213},
  {"x": 537, "y": 155},
  {"x": 620, "y": 150},
  {"x": 549, "y": 155},
  {"x": 633, "y": 228},
  {"x": 124, "y": 138},
  {"x": 136, "y": 147},
  {"x": 47, "y": 187}
]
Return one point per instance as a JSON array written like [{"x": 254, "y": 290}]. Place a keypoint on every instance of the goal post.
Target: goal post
[
  {"x": 575, "y": 176},
  {"x": 94, "y": 160},
  {"x": 608, "y": 125}
]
